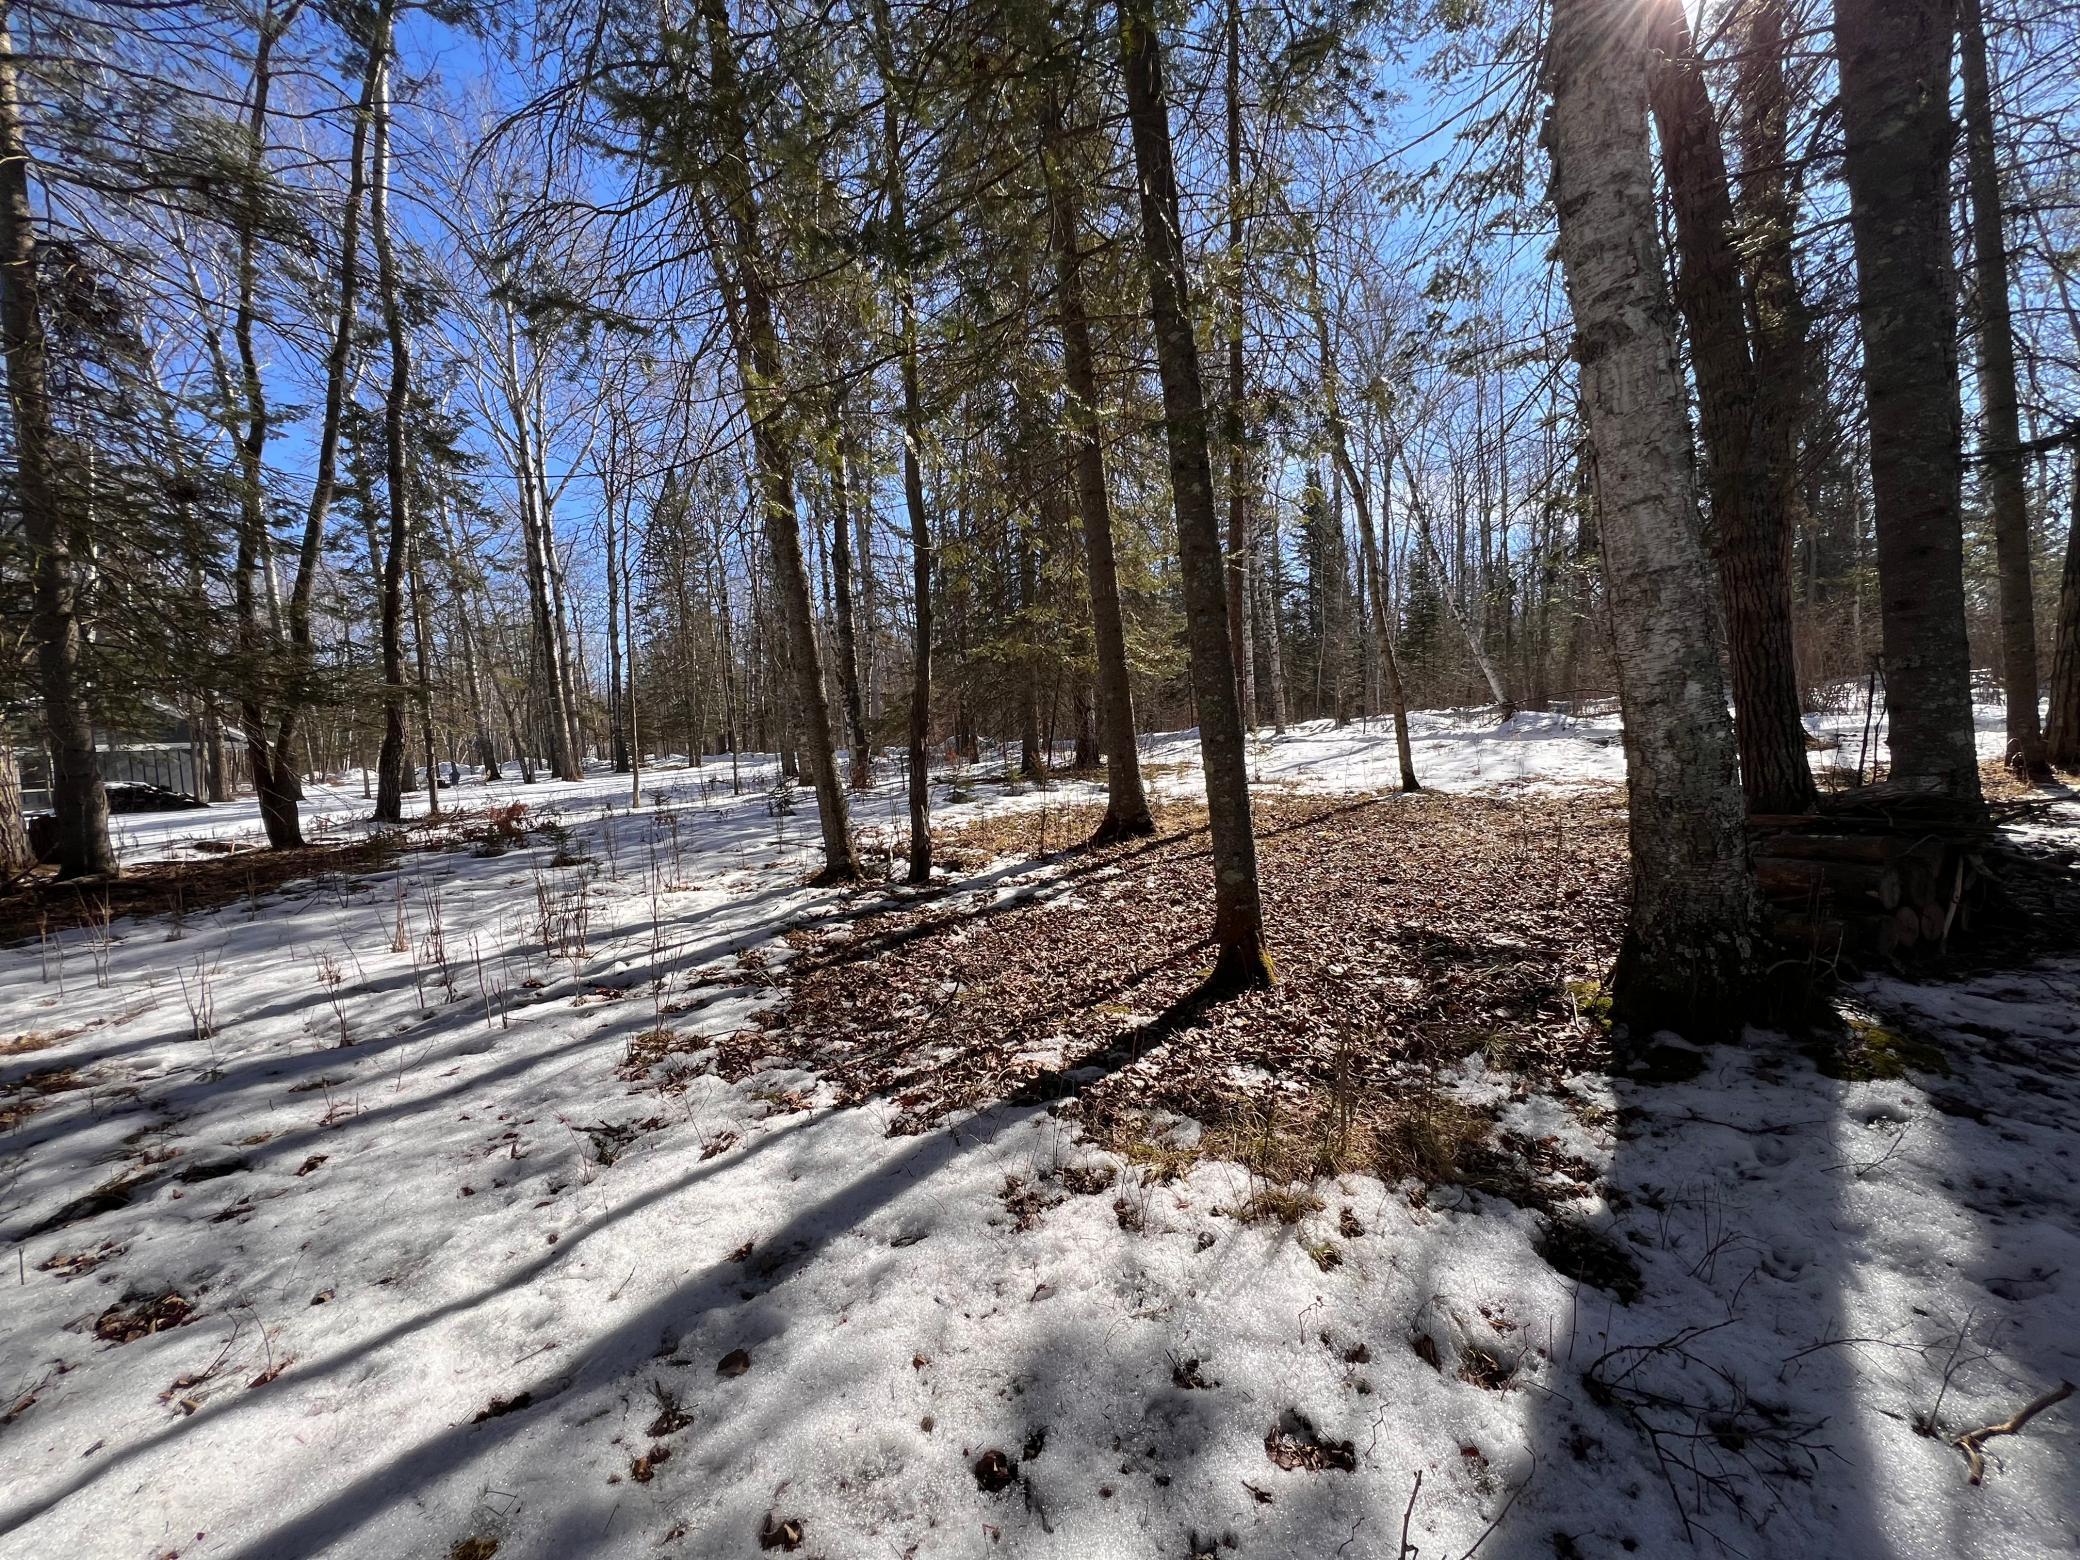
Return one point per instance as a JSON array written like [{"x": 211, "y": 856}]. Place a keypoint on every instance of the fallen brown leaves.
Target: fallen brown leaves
[{"x": 1406, "y": 931}]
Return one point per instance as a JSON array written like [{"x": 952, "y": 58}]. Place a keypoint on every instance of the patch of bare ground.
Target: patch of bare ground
[
  {"x": 40, "y": 904},
  {"x": 1407, "y": 932},
  {"x": 224, "y": 873}
]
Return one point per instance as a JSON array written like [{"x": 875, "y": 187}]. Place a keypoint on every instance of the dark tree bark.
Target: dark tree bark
[
  {"x": 1750, "y": 530},
  {"x": 391, "y": 758},
  {"x": 77, "y": 798},
  {"x": 1126, "y": 802},
  {"x": 1686, "y": 962},
  {"x": 2000, "y": 440},
  {"x": 1241, "y": 959},
  {"x": 1894, "y": 60},
  {"x": 1769, "y": 216},
  {"x": 2062, "y": 730}
]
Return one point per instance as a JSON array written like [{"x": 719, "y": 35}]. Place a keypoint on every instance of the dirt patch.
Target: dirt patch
[
  {"x": 39, "y": 904},
  {"x": 1406, "y": 931}
]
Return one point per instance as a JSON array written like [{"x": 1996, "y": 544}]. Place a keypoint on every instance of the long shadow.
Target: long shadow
[
  {"x": 315, "y": 1371},
  {"x": 619, "y": 1353},
  {"x": 454, "y": 1024}
]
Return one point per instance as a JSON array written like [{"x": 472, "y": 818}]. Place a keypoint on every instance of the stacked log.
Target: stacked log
[{"x": 1866, "y": 886}]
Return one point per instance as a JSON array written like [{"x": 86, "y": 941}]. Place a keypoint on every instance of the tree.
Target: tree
[
  {"x": 2000, "y": 443},
  {"x": 1126, "y": 803},
  {"x": 1894, "y": 61},
  {"x": 740, "y": 259},
  {"x": 1241, "y": 959},
  {"x": 392, "y": 760},
  {"x": 1750, "y": 529},
  {"x": 77, "y": 798},
  {"x": 1689, "y": 938},
  {"x": 2062, "y": 730}
]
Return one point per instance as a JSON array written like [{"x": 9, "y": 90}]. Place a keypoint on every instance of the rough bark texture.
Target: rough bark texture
[
  {"x": 1750, "y": 530},
  {"x": 1769, "y": 216},
  {"x": 1241, "y": 959},
  {"x": 1894, "y": 59},
  {"x": 1689, "y": 941},
  {"x": 15, "y": 854},
  {"x": 1126, "y": 802},
  {"x": 77, "y": 798},
  {"x": 2000, "y": 439}
]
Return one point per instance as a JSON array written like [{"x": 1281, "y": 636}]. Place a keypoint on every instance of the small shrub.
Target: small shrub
[{"x": 1285, "y": 1204}]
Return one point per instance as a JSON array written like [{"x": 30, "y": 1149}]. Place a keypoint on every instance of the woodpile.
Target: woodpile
[{"x": 1872, "y": 877}]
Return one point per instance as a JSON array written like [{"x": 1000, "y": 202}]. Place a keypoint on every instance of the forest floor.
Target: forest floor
[{"x": 585, "y": 1183}]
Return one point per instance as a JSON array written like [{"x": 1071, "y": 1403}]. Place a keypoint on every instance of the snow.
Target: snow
[{"x": 481, "y": 1202}]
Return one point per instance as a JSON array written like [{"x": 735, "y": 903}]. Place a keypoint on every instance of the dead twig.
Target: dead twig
[{"x": 1969, "y": 1442}]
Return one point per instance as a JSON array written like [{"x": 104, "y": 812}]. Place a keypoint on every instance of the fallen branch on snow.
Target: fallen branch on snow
[{"x": 1968, "y": 1443}]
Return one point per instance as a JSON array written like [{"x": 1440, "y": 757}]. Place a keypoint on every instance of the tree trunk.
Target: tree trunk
[
  {"x": 296, "y": 690},
  {"x": 762, "y": 370},
  {"x": 1769, "y": 212},
  {"x": 1381, "y": 627},
  {"x": 1240, "y": 600},
  {"x": 617, "y": 728},
  {"x": 1894, "y": 61},
  {"x": 422, "y": 654},
  {"x": 917, "y": 765},
  {"x": 537, "y": 544},
  {"x": 273, "y": 784},
  {"x": 1749, "y": 527},
  {"x": 2063, "y": 729},
  {"x": 216, "y": 764},
  {"x": 16, "y": 856},
  {"x": 75, "y": 783},
  {"x": 391, "y": 758},
  {"x": 841, "y": 571},
  {"x": 2000, "y": 440},
  {"x": 1032, "y": 757},
  {"x": 1238, "y": 918},
  {"x": 77, "y": 798},
  {"x": 1126, "y": 801},
  {"x": 1268, "y": 575},
  {"x": 1689, "y": 941}
]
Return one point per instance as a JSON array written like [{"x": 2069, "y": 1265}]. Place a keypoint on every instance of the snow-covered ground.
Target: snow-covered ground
[{"x": 509, "y": 1265}]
